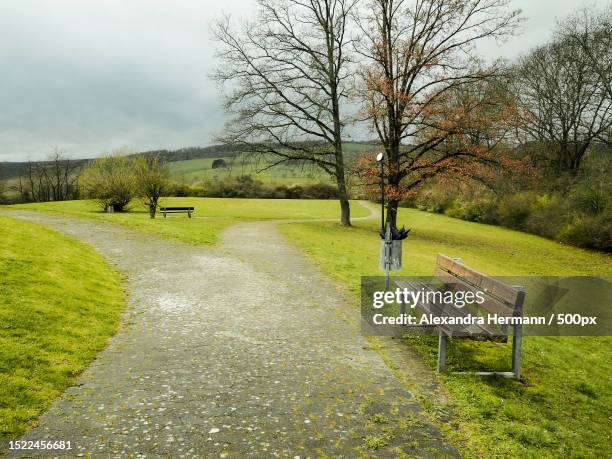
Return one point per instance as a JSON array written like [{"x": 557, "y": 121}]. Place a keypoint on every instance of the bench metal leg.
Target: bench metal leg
[
  {"x": 517, "y": 332},
  {"x": 442, "y": 341},
  {"x": 164, "y": 214},
  {"x": 517, "y": 341},
  {"x": 189, "y": 213}
]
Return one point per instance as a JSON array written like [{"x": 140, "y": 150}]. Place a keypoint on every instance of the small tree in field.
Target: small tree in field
[
  {"x": 110, "y": 181},
  {"x": 151, "y": 180}
]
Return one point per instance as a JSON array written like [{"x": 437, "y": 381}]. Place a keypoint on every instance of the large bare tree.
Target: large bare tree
[
  {"x": 564, "y": 89},
  {"x": 420, "y": 54},
  {"x": 591, "y": 31},
  {"x": 288, "y": 75}
]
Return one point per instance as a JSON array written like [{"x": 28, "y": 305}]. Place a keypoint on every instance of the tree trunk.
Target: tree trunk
[
  {"x": 345, "y": 208},
  {"x": 392, "y": 213},
  {"x": 393, "y": 178},
  {"x": 152, "y": 210}
]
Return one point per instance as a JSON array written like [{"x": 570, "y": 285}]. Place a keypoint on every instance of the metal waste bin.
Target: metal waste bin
[{"x": 391, "y": 255}]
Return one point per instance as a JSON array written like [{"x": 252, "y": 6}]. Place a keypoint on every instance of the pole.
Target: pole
[{"x": 382, "y": 196}]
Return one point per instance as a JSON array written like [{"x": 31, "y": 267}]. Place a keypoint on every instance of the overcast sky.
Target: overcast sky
[{"x": 90, "y": 76}]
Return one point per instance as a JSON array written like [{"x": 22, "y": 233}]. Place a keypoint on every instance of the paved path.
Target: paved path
[{"x": 244, "y": 350}]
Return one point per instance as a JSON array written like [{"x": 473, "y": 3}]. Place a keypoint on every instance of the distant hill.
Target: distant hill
[{"x": 10, "y": 170}]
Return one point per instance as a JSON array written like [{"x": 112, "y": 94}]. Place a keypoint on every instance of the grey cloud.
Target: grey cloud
[{"x": 92, "y": 76}]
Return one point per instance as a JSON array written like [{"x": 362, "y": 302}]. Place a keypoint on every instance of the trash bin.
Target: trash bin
[{"x": 391, "y": 255}]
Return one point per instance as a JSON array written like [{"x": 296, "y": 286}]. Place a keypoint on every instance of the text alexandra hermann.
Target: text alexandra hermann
[{"x": 456, "y": 298}]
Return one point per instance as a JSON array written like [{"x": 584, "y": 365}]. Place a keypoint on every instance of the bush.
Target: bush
[
  {"x": 180, "y": 190},
  {"x": 549, "y": 214},
  {"x": 433, "y": 199},
  {"x": 320, "y": 191},
  {"x": 591, "y": 196},
  {"x": 247, "y": 187},
  {"x": 590, "y": 232},
  {"x": 110, "y": 181},
  {"x": 514, "y": 210},
  {"x": 480, "y": 209}
]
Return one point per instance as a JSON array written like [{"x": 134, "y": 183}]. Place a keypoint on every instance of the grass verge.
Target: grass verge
[
  {"x": 59, "y": 304},
  {"x": 561, "y": 408}
]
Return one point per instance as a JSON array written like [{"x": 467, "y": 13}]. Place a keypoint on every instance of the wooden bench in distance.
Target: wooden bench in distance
[
  {"x": 177, "y": 210},
  {"x": 499, "y": 298}
]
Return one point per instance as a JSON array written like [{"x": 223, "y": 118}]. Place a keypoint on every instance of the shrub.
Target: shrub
[
  {"x": 514, "y": 210},
  {"x": 590, "y": 232},
  {"x": 549, "y": 214},
  {"x": 434, "y": 199},
  {"x": 217, "y": 163},
  {"x": 109, "y": 180},
  {"x": 247, "y": 187},
  {"x": 591, "y": 196},
  {"x": 479, "y": 209},
  {"x": 180, "y": 190},
  {"x": 294, "y": 192}
]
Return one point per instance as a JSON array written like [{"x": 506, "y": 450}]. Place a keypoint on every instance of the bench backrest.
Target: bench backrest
[
  {"x": 500, "y": 298},
  {"x": 176, "y": 208}
]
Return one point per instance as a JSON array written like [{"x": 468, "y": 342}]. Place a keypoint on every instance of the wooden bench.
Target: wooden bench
[
  {"x": 499, "y": 298},
  {"x": 177, "y": 210}
]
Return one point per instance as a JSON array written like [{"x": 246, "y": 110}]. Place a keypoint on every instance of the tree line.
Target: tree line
[{"x": 52, "y": 180}]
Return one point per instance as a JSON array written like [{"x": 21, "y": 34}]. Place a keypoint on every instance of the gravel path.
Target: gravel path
[{"x": 235, "y": 351}]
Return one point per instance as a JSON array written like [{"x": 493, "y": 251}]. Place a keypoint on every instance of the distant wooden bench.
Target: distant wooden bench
[
  {"x": 499, "y": 298},
  {"x": 177, "y": 210}
]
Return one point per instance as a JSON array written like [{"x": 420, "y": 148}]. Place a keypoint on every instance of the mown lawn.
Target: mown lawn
[
  {"x": 59, "y": 304},
  {"x": 562, "y": 406},
  {"x": 211, "y": 217}
]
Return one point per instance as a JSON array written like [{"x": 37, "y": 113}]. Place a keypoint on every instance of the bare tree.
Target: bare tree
[
  {"x": 52, "y": 180},
  {"x": 288, "y": 72},
  {"x": 419, "y": 53},
  {"x": 592, "y": 33},
  {"x": 564, "y": 92},
  {"x": 62, "y": 176},
  {"x": 151, "y": 181}
]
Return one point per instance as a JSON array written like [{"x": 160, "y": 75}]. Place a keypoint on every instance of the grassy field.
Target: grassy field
[
  {"x": 212, "y": 215},
  {"x": 59, "y": 304},
  {"x": 195, "y": 171},
  {"x": 561, "y": 408}
]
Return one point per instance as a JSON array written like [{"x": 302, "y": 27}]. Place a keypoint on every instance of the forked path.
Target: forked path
[{"x": 243, "y": 350}]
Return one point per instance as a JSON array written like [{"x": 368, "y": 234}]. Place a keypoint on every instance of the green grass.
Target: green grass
[
  {"x": 212, "y": 215},
  {"x": 562, "y": 406},
  {"x": 196, "y": 171},
  {"x": 59, "y": 304}
]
